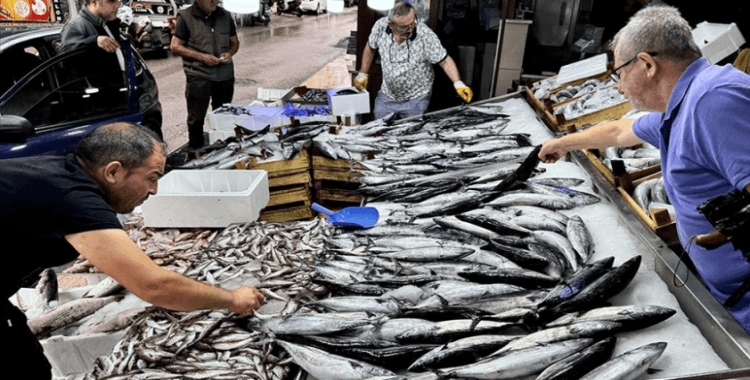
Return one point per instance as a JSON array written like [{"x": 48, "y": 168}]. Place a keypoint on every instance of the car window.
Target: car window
[
  {"x": 17, "y": 62},
  {"x": 84, "y": 85}
]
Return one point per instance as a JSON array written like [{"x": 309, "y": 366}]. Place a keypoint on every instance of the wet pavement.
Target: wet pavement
[{"x": 281, "y": 55}]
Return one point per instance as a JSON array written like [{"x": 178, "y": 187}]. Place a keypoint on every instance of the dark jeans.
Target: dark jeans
[
  {"x": 25, "y": 355},
  {"x": 199, "y": 92}
]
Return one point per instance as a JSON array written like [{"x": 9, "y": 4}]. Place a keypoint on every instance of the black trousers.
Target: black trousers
[
  {"x": 24, "y": 354},
  {"x": 199, "y": 92}
]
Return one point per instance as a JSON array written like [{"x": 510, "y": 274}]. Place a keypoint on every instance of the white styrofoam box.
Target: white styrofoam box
[
  {"x": 207, "y": 198},
  {"x": 76, "y": 355},
  {"x": 349, "y": 104},
  {"x": 582, "y": 69},
  {"x": 717, "y": 41},
  {"x": 215, "y": 135},
  {"x": 272, "y": 93}
]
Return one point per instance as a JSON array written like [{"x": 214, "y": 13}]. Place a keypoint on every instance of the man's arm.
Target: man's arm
[
  {"x": 179, "y": 47},
  {"x": 72, "y": 37},
  {"x": 114, "y": 253},
  {"x": 367, "y": 56},
  {"x": 449, "y": 66},
  {"x": 615, "y": 133}
]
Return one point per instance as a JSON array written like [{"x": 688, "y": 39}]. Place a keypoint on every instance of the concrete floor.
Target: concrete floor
[{"x": 281, "y": 55}]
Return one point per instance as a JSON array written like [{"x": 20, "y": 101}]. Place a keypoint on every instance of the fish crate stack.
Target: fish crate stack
[
  {"x": 289, "y": 183},
  {"x": 552, "y": 104},
  {"x": 331, "y": 181}
]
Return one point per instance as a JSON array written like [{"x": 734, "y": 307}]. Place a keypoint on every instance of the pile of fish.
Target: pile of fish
[
  {"x": 170, "y": 248},
  {"x": 574, "y": 91},
  {"x": 471, "y": 296},
  {"x": 488, "y": 282},
  {"x": 591, "y": 102},
  {"x": 315, "y": 95},
  {"x": 276, "y": 254},
  {"x": 651, "y": 195},
  {"x": 163, "y": 344},
  {"x": 634, "y": 158},
  {"x": 274, "y": 258}
]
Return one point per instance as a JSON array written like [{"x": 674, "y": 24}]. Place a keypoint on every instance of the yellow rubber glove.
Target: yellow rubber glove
[
  {"x": 463, "y": 91},
  {"x": 360, "y": 81}
]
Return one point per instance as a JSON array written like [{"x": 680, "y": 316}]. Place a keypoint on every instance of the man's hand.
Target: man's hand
[
  {"x": 107, "y": 44},
  {"x": 463, "y": 91},
  {"x": 246, "y": 300},
  {"x": 552, "y": 151},
  {"x": 360, "y": 81},
  {"x": 210, "y": 60},
  {"x": 225, "y": 58}
]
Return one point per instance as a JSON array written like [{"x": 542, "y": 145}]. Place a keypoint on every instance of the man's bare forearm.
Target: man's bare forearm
[
  {"x": 367, "y": 56},
  {"x": 449, "y": 66}
]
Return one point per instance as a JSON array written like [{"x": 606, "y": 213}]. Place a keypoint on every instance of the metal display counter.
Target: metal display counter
[{"x": 727, "y": 337}]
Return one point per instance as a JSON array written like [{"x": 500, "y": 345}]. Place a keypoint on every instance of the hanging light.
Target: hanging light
[
  {"x": 242, "y": 6},
  {"x": 335, "y": 6},
  {"x": 381, "y": 5}
]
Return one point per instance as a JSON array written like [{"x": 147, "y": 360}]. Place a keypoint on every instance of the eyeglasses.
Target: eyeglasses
[
  {"x": 615, "y": 76},
  {"x": 401, "y": 29}
]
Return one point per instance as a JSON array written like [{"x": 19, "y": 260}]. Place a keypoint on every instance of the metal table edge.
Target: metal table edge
[{"x": 730, "y": 341}]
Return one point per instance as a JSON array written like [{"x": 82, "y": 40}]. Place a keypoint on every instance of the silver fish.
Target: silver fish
[{"x": 630, "y": 365}]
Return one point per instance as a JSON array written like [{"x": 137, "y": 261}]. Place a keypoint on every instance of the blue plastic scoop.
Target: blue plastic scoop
[{"x": 350, "y": 217}]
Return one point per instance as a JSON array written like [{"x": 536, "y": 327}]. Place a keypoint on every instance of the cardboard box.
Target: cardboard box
[
  {"x": 207, "y": 198},
  {"x": 348, "y": 104}
]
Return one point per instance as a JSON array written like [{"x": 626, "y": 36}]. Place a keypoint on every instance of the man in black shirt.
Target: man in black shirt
[
  {"x": 54, "y": 208},
  {"x": 206, "y": 38}
]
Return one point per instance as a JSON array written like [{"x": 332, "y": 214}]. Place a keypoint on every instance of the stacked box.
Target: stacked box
[
  {"x": 331, "y": 182},
  {"x": 289, "y": 183}
]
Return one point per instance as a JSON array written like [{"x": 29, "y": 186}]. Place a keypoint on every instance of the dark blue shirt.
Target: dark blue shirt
[
  {"x": 704, "y": 138},
  {"x": 43, "y": 199}
]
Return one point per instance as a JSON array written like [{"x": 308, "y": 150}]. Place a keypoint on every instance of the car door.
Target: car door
[{"x": 65, "y": 97}]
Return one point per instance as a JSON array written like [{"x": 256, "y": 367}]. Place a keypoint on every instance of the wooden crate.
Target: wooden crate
[
  {"x": 296, "y": 194},
  {"x": 287, "y": 214},
  {"x": 282, "y": 167},
  {"x": 618, "y": 176},
  {"x": 660, "y": 221},
  {"x": 558, "y": 123}
]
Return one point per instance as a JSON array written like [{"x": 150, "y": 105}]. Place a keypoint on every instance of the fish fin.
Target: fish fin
[{"x": 474, "y": 322}]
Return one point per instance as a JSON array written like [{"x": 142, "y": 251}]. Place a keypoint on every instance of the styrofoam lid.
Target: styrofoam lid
[{"x": 582, "y": 69}]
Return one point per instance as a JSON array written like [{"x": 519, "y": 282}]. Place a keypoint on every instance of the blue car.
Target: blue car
[{"x": 49, "y": 101}]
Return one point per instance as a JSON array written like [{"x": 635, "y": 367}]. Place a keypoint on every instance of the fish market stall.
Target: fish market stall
[{"x": 435, "y": 275}]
